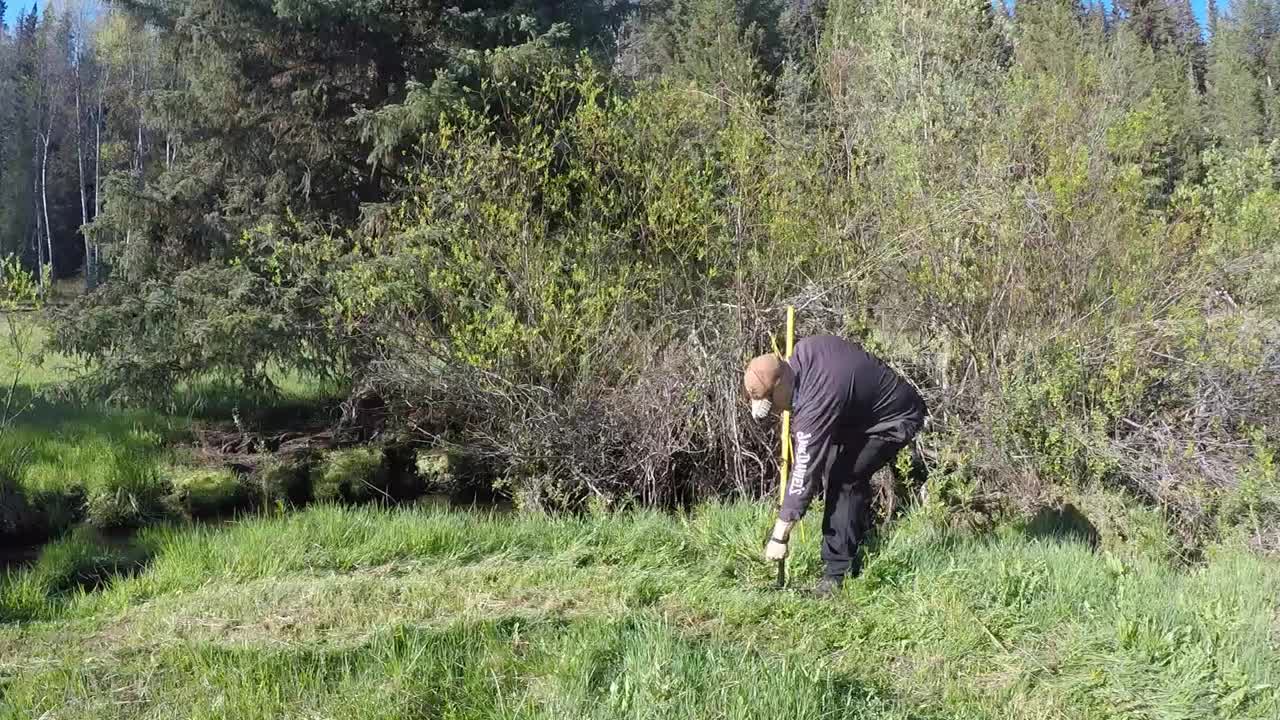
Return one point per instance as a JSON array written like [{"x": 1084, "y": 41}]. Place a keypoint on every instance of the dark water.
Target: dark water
[{"x": 17, "y": 556}]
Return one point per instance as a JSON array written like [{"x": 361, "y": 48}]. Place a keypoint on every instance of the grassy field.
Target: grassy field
[{"x": 421, "y": 612}]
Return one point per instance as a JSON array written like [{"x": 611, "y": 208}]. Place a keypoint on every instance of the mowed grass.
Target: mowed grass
[{"x": 428, "y": 613}]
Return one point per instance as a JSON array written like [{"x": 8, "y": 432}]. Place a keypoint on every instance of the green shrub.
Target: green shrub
[
  {"x": 199, "y": 492},
  {"x": 278, "y": 482},
  {"x": 1254, "y": 503},
  {"x": 130, "y": 495},
  {"x": 448, "y": 470},
  {"x": 351, "y": 475}
]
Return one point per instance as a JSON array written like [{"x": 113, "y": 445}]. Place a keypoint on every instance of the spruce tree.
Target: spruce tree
[
  {"x": 7, "y": 130},
  {"x": 1233, "y": 92},
  {"x": 17, "y": 191},
  {"x": 1150, "y": 20},
  {"x": 1188, "y": 43}
]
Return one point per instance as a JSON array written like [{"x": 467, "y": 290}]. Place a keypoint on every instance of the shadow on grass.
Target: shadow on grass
[
  {"x": 55, "y": 408},
  {"x": 1064, "y": 524},
  {"x": 286, "y": 408},
  {"x": 83, "y": 561},
  {"x": 64, "y": 445},
  {"x": 133, "y": 430},
  {"x": 94, "y": 561},
  {"x": 59, "y": 452},
  {"x": 28, "y": 518}
]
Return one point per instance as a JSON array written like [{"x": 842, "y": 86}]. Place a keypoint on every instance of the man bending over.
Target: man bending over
[{"x": 850, "y": 415}]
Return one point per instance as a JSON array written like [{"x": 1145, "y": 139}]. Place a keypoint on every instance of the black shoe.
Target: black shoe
[{"x": 829, "y": 585}]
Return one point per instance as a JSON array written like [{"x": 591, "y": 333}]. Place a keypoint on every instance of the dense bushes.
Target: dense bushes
[
  {"x": 597, "y": 267},
  {"x": 1037, "y": 221}
]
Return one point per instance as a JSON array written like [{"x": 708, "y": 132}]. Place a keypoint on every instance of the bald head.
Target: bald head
[{"x": 767, "y": 380}]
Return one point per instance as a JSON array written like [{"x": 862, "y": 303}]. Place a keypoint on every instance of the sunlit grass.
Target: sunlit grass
[
  {"x": 369, "y": 613},
  {"x": 66, "y": 457}
]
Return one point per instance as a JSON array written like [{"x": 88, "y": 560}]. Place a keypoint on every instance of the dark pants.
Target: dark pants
[{"x": 847, "y": 515}]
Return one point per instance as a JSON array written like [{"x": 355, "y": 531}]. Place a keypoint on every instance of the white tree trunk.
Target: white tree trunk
[
  {"x": 97, "y": 170},
  {"x": 84, "y": 200},
  {"x": 97, "y": 158},
  {"x": 133, "y": 89},
  {"x": 35, "y": 206},
  {"x": 140, "y": 149},
  {"x": 44, "y": 198},
  {"x": 97, "y": 128}
]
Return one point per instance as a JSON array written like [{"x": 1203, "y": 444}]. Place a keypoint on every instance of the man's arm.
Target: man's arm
[
  {"x": 813, "y": 455},
  {"x": 812, "y": 444}
]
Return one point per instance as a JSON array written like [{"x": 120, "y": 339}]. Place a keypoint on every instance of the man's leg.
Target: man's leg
[{"x": 846, "y": 517}]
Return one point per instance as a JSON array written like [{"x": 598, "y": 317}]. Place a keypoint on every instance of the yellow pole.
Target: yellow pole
[
  {"x": 785, "y": 466},
  {"x": 786, "y": 414}
]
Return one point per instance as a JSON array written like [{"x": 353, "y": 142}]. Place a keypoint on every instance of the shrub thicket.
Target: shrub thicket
[{"x": 1046, "y": 222}]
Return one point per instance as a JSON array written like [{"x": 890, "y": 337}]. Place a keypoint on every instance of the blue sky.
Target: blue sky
[
  {"x": 1199, "y": 5},
  {"x": 1201, "y": 8},
  {"x": 11, "y": 12}
]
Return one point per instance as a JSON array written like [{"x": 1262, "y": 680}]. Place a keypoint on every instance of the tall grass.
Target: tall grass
[{"x": 368, "y": 613}]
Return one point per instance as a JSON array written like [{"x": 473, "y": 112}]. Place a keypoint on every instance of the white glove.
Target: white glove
[{"x": 775, "y": 550}]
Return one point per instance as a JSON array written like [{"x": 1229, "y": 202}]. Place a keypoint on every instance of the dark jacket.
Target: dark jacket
[{"x": 841, "y": 392}]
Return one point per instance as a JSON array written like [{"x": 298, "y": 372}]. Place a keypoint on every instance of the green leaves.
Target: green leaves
[{"x": 18, "y": 289}]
